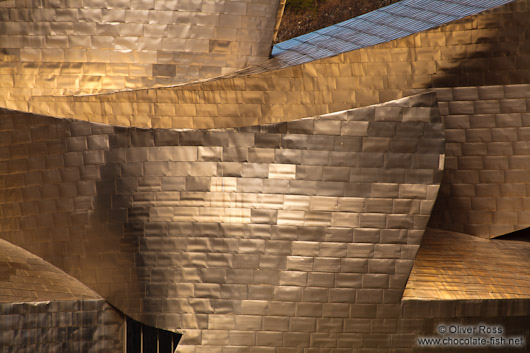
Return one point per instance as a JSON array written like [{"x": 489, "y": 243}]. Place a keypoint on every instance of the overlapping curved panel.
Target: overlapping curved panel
[
  {"x": 43, "y": 309},
  {"x": 89, "y": 325},
  {"x": 459, "y": 266},
  {"x": 258, "y": 229},
  {"x": 485, "y": 187},
  {"x": 28, "y": 278},
  {"x": 218, "y": 232},
  {"x": 483, "y": 49},
  {"x": 58, "y": 47}
]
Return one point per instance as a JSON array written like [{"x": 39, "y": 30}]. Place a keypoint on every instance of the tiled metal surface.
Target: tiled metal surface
[
  {"x": 68, "y": 326},
  {"x": 237, "y": 237},
  {"x": 485, "y": 185},
  {"x": 383, "y": 25},
  {"x": 293, "y": 237},
  {"x": 80, "y": 47},
  {"x": 422, "y": 318},
  {"x": 27, "y": 278},
  {"x": 455, "y": 266},
  {"x": 43, "y": 309},
  {"x": 484, "y": 49}
]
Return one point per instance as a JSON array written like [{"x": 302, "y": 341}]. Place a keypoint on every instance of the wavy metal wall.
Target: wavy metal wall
[
  {"x": 42, "y": 309},
  {"x": 264, "y": 236},
  {"x": 221, "y": 232},
  {"x": 74, "y": 47},
  {"x": 489, "y": 48},
  {"x": 456, "y": 266},
  {"x": 485, "y": 186}
]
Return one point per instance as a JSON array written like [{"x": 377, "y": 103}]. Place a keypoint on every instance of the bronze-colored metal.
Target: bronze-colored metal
[
  {"x": 82, "y": 325},
  {"x": 86, "y": 48},
  {"x": 28, "y": 278},
  {"x": 455, "y": 266},
  {"x": 276, "y": 218},
  {"x": 370, "y": 75},
  {"x": 484, "y": 190},
  {"x": 217, "y": 233},
  {"x": 281, "y": 7},
  {"x": 42, "y": 307}
]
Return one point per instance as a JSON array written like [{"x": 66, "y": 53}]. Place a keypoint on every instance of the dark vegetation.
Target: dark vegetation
[{"x": 304, "y": 16}]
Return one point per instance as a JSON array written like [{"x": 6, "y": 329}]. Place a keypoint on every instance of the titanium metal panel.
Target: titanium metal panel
[
  {"x": 43, "y": 309},
  {"x": 65, "y": 48},
  {"x": 216, "y": 233},
  {"x": 483, "y": 49},
  {"x": 28, "y": 278},
  {"x": 261, "y": 235},
  {"x": 83, "y": 325},
  {"x": 484, "y": 190},
  {"x": 455, "y": 266}
]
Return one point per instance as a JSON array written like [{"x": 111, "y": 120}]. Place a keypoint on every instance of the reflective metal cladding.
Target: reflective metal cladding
[
  {"x": 75, "y": 47},
  {"x": 485, "y": 188},
  {"x": 476, "y": 50},
  {"x": 161, "y": 176},
  {"x": 184, "y": 229},
  {"x": 451, "y": 266}
]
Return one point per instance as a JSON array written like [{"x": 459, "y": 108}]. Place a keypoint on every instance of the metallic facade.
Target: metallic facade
[
  {"x": 43, "y": 309},
  {"x": 61, "y": 326},
  {"x": 197, "y": 230},
  {"x": 477, "y": 50},
  {"x": 27, "y": 277},
  {"x": 74, "y": 47},
  {"x": 451, "y": 266},
  {"x": 277, "y": 209},
  {"x": 484, "y": 191}
]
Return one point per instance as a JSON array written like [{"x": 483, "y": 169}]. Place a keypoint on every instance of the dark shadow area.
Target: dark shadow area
[
  {"x": 146, "y": 339},
  {"x": 496, "y": 51},
  {"x": 520, "y": 235}
]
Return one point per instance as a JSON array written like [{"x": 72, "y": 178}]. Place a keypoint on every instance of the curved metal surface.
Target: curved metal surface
[
  {"x": 261, "y": 235},
  {"x": 43, "y": 309},
  {"x": 485, "y": 191},
  {"x": 197, "y": 230},
  {"x": 82, "y": 325},
  {"x": 64, "y": 48},
  {"x": 455, "y": 266},
  {"x": 483, "y": 49},
  {"x": 28, "y": 278}
]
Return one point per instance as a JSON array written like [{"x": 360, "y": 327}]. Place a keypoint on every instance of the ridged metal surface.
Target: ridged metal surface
[
  {"x": 455, "y": 266},
  {"x": 268, "y": 237},
  {"x": 43, "y": 309},
  {"x": 483, "y": 49},
  {"x": 218, "y": 232},
  {"x": 383, "y": 25}
]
